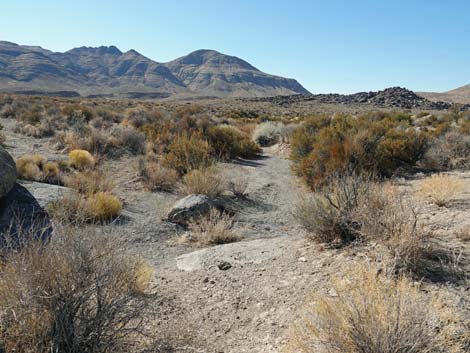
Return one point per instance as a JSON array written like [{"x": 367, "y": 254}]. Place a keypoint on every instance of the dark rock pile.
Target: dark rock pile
[{"x": 395, "y": 97}]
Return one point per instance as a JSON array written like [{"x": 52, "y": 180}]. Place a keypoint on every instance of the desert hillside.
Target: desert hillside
[{"x": 108, "y": 72}]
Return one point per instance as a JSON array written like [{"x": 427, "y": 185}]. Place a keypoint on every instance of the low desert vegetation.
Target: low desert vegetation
[
  {"x": 386, "y": 144},
  {"x": 37, "y": 168},
  {"x": 214, "y": 229},
  {"x": 357, "y": 209},
  {"x": 441, "y": 189},
  {"x": 373, "y": 312},
  {"x": 80, "y": 293},
  {"x": 81, "y": 160},
  {"x": 210, "y": 182}
]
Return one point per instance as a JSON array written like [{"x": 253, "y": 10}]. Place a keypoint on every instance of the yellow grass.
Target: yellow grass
[{"x": 441, "y": 189}]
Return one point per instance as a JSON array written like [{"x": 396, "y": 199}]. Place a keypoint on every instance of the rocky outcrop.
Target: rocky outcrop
[
  {"x": 395, "y": 97},
  {"x": 7, "y": 172}
]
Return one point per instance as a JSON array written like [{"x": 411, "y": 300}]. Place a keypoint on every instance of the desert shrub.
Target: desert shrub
[
  {"x": 128, "y": 139},
  {"x": 226, "y": 142},
  {"x": 37, "y": 168},
  {"x": 186, "y": 153},
  {"x": 157, "y": 177},
  {"x": 81, "y": 159},
  {"x": 329, "y": 215},
  {"x": 448, "y": 152},
  {"x": 463, "y": 233},
  {"x": 267, "y": 133},
  {"x": 89, "y": 182},
  {"x": 78, "y": 111},
  {"x": 440, "y": 189},
  {"x": 27, "y": 168},
  {"x": 103, "y": 206},
  {"x": 379, "y": 144},
  {"x": 81, "y": 293},
  {"x": 301, "y": 144},
  {"x": 400, "y": 148},
  {"x": 372, "y": 312},
  {"x": 238, "y": 185},
  {"x": 214, "y": 229},
  {"x": 210, "y": 182}
]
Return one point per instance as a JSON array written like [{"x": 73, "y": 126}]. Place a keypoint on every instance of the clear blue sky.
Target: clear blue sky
[{"x": 327, "y": 45}]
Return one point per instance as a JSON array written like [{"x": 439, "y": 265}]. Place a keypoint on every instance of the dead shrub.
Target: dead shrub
[
  {"x": 440, "y": 189},
  {"x": 448, "y": 152},
  {"x": 216, "y": 228},
  {"x": 78, "y": 294},
  {"x": 372, "y": 312},
  {"x": 463, "y": 233},
  {"x": 157, "y": 177},
  {"x": 28, "y": 169},
  {"x": 89, "y": 182},
  {"x": 329, "y": 215},
  {"x": 208, "y": 182}
]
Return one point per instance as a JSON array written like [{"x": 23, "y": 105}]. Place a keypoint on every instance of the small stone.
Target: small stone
[
  {"x": 224, "y": 265},
  {"x": 302, "y": 259}
]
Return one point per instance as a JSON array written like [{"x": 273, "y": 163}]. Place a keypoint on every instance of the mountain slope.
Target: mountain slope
[
  {"x": 459, "y": 95},
  {"x": 214, "y": 73},
  {"x": 108, "y": 71}
]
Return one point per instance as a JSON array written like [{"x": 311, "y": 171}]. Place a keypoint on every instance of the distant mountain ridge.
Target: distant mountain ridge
[
  {"x": 459, "y": 95},
  {"x": 107, "y": 71}
]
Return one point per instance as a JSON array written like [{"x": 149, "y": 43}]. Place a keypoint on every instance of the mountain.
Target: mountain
[
  {"x": 214, "y": 73},
  {"x": 459, "y": 95},
  {"x": 106, "y": 71}
]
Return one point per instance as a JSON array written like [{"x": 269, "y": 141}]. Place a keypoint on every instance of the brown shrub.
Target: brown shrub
[
  {"x": 372, "y": 312},
  {"x": 28, "y": 169},
  {"x": 81, "y": 293},
  {"x": 89, "y": 182},
  {"x": 208, "y": 182},
  {"x": 186, "y": 153},
  {"x": 216, "y": 228},
  {"x": 157, "y": 177},
  {"x": 227, "y": 142}
]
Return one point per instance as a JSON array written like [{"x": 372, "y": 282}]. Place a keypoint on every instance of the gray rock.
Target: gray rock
[
  {"x": 241, "y": 253},
  {"x": 22, "y": 218},
  {"x": 7, "y": 172},
  {"x": 46, "y": 194},
  {"x": 190, "y": 207}
]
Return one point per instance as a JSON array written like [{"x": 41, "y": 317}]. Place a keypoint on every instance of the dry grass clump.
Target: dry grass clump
[
  {"x": 372, "y": 312},
  {"x": 37, "y": 168},
  {"x": 216, "y": 228},
  {"x": 103, "y": 206},
  {"x": 81, "y": 159},
  {"x": 157, "y": 177},
  {"x": 441, "y": 189},
  {"x": 80, "y": 293},
  {"x": 93, "y": 201},
  {"x": 463, "y": 233},
  {"x": 210, "y": 182},
  {"x": 89, "y": 182}
]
